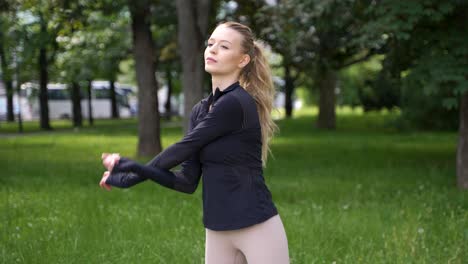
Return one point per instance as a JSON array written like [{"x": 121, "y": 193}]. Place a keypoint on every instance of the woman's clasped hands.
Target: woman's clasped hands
[{"x": 108, "y": 160}]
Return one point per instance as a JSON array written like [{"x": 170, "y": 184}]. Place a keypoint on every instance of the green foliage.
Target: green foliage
[
  {"x": 426, "y": 111},
  {"x": 17, "y": 38},
  {"x": 95, "y": 49},
  {"x": 356, "y": 84},
  {"x": 315, "y": 33},
  {"x": 433, "y": 36},
  {"x": 304, "y": 94},
  {"x": 164, "y": 31},
  {"x": 127, "y": 72}
]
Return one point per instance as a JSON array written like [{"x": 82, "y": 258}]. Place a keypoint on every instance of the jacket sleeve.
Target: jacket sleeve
[
  {"x": 124, "y": 179},
  {"x": 225, "y": 117},
  {"x": 128, "y": 173}
]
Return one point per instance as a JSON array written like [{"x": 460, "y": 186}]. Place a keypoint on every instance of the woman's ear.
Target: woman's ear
[{"x": 244, "y": 61}]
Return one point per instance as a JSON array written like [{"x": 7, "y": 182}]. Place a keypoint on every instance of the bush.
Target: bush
[{"x": 423, "y": 111}]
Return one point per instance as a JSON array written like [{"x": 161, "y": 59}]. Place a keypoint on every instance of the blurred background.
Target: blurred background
[{"x": 372, "y": 105}]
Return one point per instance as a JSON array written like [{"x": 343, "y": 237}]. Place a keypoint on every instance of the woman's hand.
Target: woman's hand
[
  {"x": 109, "y": 160},
  {"x": 103, "y": 183}
]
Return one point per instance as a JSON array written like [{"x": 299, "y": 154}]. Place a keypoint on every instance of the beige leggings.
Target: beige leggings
[{"x": 262, "y": 243}]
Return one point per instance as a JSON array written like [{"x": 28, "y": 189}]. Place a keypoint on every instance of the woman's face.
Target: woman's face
[{"x": 223, "y": 53}]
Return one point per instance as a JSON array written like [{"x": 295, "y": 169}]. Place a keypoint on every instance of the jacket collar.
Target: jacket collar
[{"x": 213, "y": 97}]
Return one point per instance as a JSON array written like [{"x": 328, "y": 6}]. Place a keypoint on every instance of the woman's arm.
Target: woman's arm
[
  {"x": 184, "y": 180},
  {"x": 225, "y": 117},
  {"x": 128, "y": 173},
  {"x": 124, "y": 179}
]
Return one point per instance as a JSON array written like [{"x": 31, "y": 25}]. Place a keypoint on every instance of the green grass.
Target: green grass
[{"x": 364, "y": 193}]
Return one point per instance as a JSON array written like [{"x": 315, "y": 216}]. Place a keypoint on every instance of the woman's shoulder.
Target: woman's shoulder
[
  {"x": 196, "y": 108},
  {"x": 243, "y": 97}
]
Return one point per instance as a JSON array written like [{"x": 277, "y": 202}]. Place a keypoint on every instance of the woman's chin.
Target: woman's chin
[{"x": 210, "y": 69}]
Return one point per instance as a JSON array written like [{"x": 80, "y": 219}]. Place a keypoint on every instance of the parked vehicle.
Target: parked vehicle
[{"x": 60, "y": 105}]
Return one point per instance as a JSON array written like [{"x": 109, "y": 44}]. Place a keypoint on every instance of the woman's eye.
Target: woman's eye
[
  {"x": 209, "y": 44},
  {"x": 224, "y": 47}
]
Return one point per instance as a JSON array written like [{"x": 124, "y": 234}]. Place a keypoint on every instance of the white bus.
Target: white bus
[{"x": 60, "y": 106}]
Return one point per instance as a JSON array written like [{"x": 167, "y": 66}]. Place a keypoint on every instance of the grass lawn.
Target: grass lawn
[{"x": 364, "y": 193}]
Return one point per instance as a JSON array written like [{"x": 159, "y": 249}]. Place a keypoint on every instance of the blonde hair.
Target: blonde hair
[{"x": 255, "y": 77}]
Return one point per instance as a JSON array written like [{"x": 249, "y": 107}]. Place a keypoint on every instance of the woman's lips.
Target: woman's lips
[{"x": 210, "y": 59}]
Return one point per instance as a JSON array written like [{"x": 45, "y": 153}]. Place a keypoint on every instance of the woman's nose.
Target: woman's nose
[{"x": 213, "y": 49}]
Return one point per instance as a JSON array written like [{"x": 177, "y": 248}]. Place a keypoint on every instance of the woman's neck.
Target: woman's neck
[{"x": 222, "y": 82}]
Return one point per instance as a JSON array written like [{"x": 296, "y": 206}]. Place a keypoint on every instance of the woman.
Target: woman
[{"x": 228, "y": 140}]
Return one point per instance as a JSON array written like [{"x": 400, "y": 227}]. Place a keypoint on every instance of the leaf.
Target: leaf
[{"x": 450, "y": 103}]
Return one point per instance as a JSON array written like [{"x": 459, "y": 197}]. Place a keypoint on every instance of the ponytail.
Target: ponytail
[{"x": 256, "y": 79}]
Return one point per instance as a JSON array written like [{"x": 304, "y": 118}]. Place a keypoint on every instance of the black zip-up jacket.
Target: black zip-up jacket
[{"x": 224, "y": 144}]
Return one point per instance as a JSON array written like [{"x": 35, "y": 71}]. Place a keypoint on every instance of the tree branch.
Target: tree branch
[{"x": 371, "y": 53}]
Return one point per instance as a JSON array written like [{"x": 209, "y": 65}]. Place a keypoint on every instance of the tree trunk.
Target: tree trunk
[
  {"x": 168, "y": 105},
  {"x": 288, "y": 89},
  {"x": 462, "y": 149},
  {"x": 9, "y": 93},
  {"x": 90, "y": 106},
  {"x": 20, "y": 118},
  {"x": 43, "y": 96},
  {"x": 76, "y": 105},
  {"x": 18, "y": 92},
  {"x": 327, "y": 83},
  {"x": 149, "y": 142},
  {"x": 114, "y": 109},
  {"x": 192, "y": 26},
  {"x": 7, "y": 80}
]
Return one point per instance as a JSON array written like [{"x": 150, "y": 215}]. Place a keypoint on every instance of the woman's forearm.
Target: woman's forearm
[
  {"x": 123, "y": 179},
  {"x": 161, "y": 176},
  {"x": 128, "y": 173}
]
